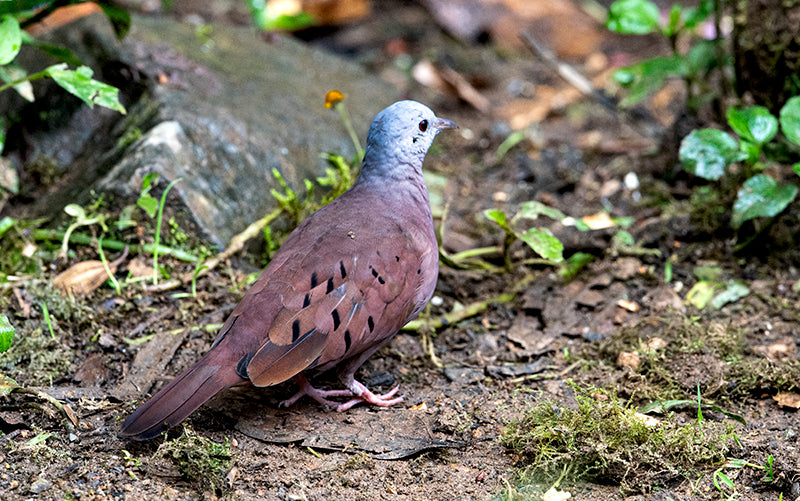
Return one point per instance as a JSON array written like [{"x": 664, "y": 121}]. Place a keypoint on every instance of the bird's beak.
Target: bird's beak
[{"x": 443, "y": 123}]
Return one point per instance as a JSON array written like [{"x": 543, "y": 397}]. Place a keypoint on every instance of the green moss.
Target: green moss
[
  {"x": 759, "y": 376},
  {"x": 606, "y": 441},
  {"x": 203, "y": 462}
]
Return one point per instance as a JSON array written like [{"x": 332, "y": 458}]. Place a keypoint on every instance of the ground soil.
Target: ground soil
[{"x": 442, "y": 442}]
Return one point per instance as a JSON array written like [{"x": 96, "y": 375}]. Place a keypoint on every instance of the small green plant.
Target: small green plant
[
  {"x": 724, "y": 485},
  {"x": 80, "y": 218},
  {"x": 272, "y": 16},
  {"x": 641, "y": 17},
  {"x": 541, "y": 240},
  {"x": 711, "y": 153},
  {"x": 711, "y": 289},
  {"x": 78, "y": 82},
  {"x": 6, "y": 333},
  {"x": 769, "y": 473}
]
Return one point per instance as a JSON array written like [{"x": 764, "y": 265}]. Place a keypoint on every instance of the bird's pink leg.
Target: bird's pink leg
[{"x": 355, "y": 388}]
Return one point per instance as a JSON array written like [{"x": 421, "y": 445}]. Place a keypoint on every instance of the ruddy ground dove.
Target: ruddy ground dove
[{"x": 341, "y": 286}]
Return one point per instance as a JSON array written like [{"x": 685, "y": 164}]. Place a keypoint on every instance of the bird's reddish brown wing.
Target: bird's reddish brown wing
[{"x": 336, "y": 305}]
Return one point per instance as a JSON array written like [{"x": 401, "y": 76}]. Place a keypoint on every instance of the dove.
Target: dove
[{"x": 340, "y": 287}]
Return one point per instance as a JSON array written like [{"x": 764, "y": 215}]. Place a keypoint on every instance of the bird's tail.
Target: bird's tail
[{"x": 181, "y": 397}]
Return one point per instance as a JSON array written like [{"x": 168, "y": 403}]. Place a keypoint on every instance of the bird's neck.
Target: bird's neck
[{"x": 401, "y": 182}]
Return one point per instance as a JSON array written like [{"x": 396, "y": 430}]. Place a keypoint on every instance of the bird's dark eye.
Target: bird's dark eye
[{"x": 423, "y": 125}]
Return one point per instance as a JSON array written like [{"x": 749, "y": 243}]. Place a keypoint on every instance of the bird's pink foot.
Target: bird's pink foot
[{"x": 361, "y": 393}]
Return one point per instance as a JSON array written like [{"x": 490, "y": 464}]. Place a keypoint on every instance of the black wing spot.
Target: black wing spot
[
  {"x": 374, "y": 272},
  {"x": 313, "y": 279},
  {"x": 330, "y": 286},
  {"x": 307, "y": 300},
  {"x": 336, "y": 321},
  {"x": 347, "y": 341},
  {"x": 381, "y": 280},
  {"x": 241, "y": 367},
  {"x": 371, "y": 323},
  {"x": 397, "y": 258},
  {"x": 342, "y": 269},
  {"x": 419, "y": 270},
  {"x": 295, "y": 330}
]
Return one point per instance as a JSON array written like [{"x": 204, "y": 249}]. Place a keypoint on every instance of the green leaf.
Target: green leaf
[
  {"x": 632, "y": 17},
  {"x": 6, "y": 224},
  {"x": 692, "y": 16},
  {"x": 6, "y": 333},
  {"x": 574, "y": 264},
  {"x": 512, "y": 140},
  {"x": 734, "y": 290},
  {"x": 60, "y": 53},
  {"x": 796, "y": 168},
  {"x": 75, "y": 211},
  {"x": 80, "y": 84},
  {"x": 647, "y": 76},
  {"x": 119, "y": 17},
  {"x": 756, "y": 124},
  {"x": 7, "y": 385},
  {"x": 148, "y": 204},
  {"x": 665, "y": 406},
  {"x": 724, "y": 479},
  {"x": 750, "y": 151},
  {"x": 761, "y": 196},
  {"x": 267, "y": 17},
  {"x": 707, "y": 152},
  {"x": 498, "y": 217},
  {"x": 10, "y": 39},
  {"x": 673, "y": 24},
  {"x": 533, "y": 209},
  {"x": 702, "y": 58},
  {"x": 708, "y": 272},
  {"x": 542, "y": 241},
  {"x": 38, "y": 439},
  {"x": 701, "y": 293},
  {"x": 790, "y": 119},
  {"x": 149, "y": 180},
  {"x": 13, "y": 72}
]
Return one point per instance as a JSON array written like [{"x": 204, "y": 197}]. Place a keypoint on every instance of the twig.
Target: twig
[
  {"x": 64, "y": 409},
  {"x": 568, "y": 73},
  {"x": 639, "y": 119},
  {"x": 469, "y": 310}
]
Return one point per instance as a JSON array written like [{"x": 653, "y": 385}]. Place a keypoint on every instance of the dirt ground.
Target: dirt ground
[{"x": 597, "y": 329}]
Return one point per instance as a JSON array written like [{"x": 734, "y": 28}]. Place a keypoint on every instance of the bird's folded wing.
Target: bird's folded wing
[{"x": 334, "y": 313}]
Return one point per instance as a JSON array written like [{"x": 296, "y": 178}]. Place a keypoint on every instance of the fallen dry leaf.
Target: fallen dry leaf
[
  {"x": 648, "y": 421},
  {"x": 628, "y": 359},
  {"x": 599, "y": 221},
  {"x": 330, "y": 12},
  {"x": 656, "y": 343},
  {"x": 138, "y": 268},
  {"x": 82, "y": 278},
  {"x": 788, "y": 399},
  {"x": 556, "y": 495},
  {"x": 628, "y": 305}
]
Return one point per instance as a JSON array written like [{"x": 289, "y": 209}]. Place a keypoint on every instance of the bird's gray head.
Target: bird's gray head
[{"x": 400, "y": 136}]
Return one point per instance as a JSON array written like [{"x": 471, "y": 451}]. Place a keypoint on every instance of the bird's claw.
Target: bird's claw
[{"x": 357, "y": 389}]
